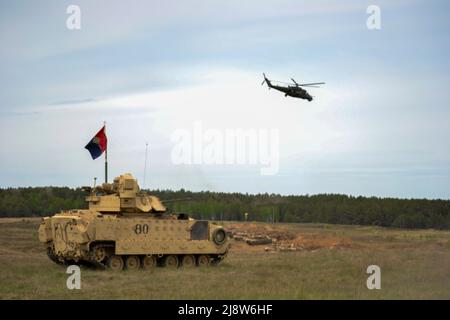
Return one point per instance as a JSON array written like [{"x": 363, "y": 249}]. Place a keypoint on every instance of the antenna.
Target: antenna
[{"x": 145, "y": 163}]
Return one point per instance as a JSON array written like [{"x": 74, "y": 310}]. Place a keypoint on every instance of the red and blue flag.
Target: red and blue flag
[{"x": 98, "y": 144}]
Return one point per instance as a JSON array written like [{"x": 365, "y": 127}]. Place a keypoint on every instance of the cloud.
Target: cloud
[{"x": 75, "y": 101}]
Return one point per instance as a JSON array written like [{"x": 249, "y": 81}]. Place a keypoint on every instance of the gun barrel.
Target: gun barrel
[{"x": 176, "y": 200}]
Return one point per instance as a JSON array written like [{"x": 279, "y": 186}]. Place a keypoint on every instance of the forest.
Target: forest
[{"x": 320, "y": 208}]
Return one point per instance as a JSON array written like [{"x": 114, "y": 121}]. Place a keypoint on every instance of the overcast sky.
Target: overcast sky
[{"x": 380, "y": 125}]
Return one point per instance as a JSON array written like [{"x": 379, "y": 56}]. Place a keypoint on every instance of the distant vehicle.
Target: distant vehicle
[{"x": 294, "y": 90}]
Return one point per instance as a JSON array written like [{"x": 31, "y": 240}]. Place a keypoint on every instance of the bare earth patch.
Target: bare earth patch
[{"x": 274, "y": 237}]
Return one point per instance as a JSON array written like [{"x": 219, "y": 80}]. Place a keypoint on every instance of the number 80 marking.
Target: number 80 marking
[{"x": 141, "y": 228}]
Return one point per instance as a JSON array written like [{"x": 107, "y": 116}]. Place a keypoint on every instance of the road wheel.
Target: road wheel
[
  {"x": 203, "y": 260},
  {"x": 149, "y": 262},
  {"x": 132, "y": 263},
  {"x": 188, "y": 261},
  {"x": 115, "y": 263},
  {"x": 215, "y": 260},
  {"x": 171, "y": 261},
  {"x": 99, "y": 254}
]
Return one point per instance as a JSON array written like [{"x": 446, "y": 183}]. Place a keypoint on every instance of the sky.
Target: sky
[{"x": 378, "y": 127}]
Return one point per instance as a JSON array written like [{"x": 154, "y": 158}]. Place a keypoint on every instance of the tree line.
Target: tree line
[{"x": 321, "y": 208}]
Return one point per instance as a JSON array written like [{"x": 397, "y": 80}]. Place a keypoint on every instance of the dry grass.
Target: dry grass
[{"x": 414, "y": 265}]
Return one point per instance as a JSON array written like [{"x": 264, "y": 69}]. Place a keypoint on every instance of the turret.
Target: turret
[{"x": 123, "y": 195}]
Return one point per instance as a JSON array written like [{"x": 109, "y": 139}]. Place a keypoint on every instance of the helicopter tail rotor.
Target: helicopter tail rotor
[{"x": 265, "y": 79}]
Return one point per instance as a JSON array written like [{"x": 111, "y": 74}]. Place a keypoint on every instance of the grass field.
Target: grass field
[{"x": 414, "y": 265}]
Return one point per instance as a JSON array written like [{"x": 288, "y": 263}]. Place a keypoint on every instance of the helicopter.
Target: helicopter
[{"x": 293, "y": 90}]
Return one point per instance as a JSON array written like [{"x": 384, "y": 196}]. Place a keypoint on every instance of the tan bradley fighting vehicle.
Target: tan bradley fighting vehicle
[{"x": 127, "y": 228}]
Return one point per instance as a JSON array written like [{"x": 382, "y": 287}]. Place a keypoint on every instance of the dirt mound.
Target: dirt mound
[
  {"x": 280, "y": 238},
  {"x": 255, "y": 230}
]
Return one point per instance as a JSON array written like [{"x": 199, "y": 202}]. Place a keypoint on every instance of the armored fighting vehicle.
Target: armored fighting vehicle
[{"x": 125, "y": 228}]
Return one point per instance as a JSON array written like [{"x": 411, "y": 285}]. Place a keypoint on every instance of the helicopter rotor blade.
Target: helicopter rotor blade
[
  {"x": 282, "y": 82},
  {"x": 309, "y": 84},
  {"x": 299, "y": 84}
]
